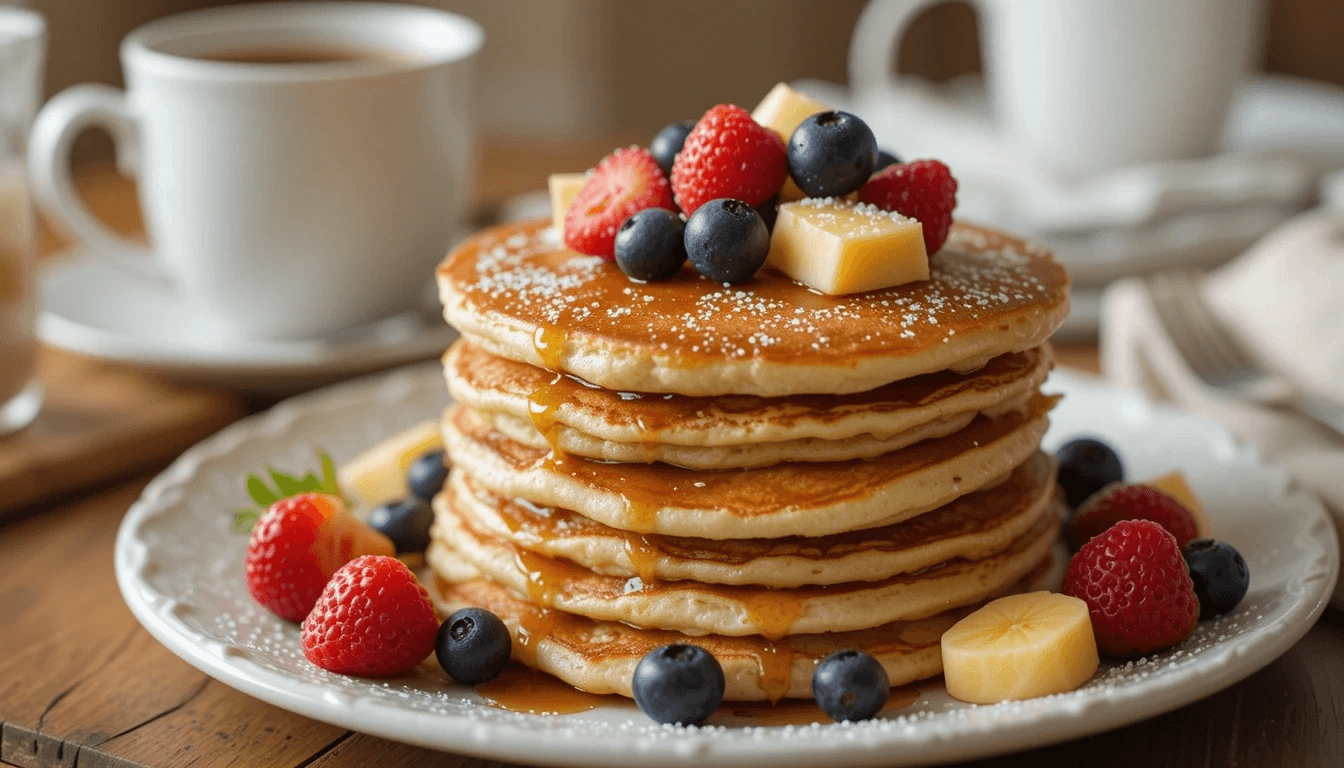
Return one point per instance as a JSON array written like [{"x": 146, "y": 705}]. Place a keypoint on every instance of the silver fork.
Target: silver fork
[{"x": 1220, "y": 361}]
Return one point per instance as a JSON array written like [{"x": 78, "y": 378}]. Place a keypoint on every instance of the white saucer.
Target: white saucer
[{"x": 94, "y": 307}]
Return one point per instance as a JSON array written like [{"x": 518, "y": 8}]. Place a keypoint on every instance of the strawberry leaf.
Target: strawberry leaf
[
  {"x": 329, "y": 484},
  {"x": 244, "y": 520},
  {"x": 263, "y": 496},
  {"x": 286, "y": 485}
]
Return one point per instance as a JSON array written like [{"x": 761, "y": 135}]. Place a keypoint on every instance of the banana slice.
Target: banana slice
[
  {"x": 378, "y": 474},
  {"x": 1019, "y": 647}
]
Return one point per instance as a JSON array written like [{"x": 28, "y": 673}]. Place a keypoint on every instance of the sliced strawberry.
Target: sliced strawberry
[
  {"x": 727, "y": 154},
  {"x": 298, "y": 544},
  {"x": 625, "y": 182}
]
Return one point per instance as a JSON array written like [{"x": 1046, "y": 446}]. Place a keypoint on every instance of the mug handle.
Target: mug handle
[
  {"x": 877, "y": 40},
  {"x": 60, "y": 121}
]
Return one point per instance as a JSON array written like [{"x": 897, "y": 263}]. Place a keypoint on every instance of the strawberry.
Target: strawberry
[
  {"x": 1119, "y": 501},
  {"x": 924, "y": 190},
  {"x": 727, "y": 154},
  {"x": 300, "y": 540},
  {"x": 1137, "y": 588},
  {"x": 625, "y": 182},
  {"x": 373, "y": 619}
]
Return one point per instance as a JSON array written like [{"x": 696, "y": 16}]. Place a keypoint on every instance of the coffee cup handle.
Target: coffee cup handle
[
  {"x": 60, "y": 121},
  {"x": 877, "y": 40}
]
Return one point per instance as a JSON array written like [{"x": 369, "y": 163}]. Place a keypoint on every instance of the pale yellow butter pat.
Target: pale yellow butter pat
[
  {"x": 784, "y": 109},
  {"x": 564, "y": 187},
  {"x": 838, "y": 247}
]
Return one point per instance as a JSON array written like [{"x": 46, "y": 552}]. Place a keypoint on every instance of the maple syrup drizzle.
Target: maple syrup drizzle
[
  {"x": 643, "y": 512},
  {"x": 549, "y": 343},
  {"x": 542, "y": 405},
  {"x": 776, "y": 664},
  {"x": 643, "y": 556},
  {"x": 533, "y": 625},
  {"x": 526, "y": 690},
  {"x": 771, "y": 612}
]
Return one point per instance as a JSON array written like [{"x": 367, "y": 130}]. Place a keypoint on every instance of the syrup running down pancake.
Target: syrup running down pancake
[
  {"x": 517, "y": 293},
  {"x": 972, "y": 527},
  {"x": 544, "y": 410},
  {"x": 797, "y": 499}
]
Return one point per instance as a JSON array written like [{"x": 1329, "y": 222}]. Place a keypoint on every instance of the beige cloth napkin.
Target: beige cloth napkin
[{"x": 1285, "y": 299}]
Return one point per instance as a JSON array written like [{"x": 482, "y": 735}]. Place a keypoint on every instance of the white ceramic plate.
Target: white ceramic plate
[
  {"x": 97, "y": 307},
  {"x": 180, "y": 570}
]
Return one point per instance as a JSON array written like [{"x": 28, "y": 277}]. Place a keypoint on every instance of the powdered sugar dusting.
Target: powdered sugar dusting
[{"x": 979, "y": 279}]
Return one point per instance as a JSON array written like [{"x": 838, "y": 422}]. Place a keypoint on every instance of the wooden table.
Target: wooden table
[{"x": 82, "y": 684}]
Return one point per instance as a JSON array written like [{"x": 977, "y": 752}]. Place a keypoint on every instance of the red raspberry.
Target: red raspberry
[
  {"x": 924, "y": 190},
  {"x": 626, "y": 182},
  {"x": 296, "y": 546},
  {"x": 373, "y": 620},
  {"x": 727, "y": 154},
  {"x": 1119, "y": 501},
  {"x": 1137, "y": 588}
]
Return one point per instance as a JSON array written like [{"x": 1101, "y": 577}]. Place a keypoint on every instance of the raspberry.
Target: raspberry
[
  {"x": 924, "y": 190},
  {"x": 1118, "y": 502},
  {"x": 296, "y": 546},
  {"x": 625, "y": 182},
  {"x": 727, "y": 154},
  {"x": 1137, "y": 588},
  {"x": 373, "y": 619}
]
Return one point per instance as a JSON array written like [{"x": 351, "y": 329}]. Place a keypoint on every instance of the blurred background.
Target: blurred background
[{"x": 573, "y": 69}]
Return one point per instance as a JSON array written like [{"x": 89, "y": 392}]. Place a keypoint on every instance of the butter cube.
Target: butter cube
[
  {"x": 564, "y": 187},
  {"x": 1174, "y": 485},
  {"x": 783, "y": 109},
  {"x": 838, "y": 247}
]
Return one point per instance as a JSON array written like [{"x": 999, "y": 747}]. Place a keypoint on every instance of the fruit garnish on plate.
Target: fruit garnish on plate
[
  {"x": 380, "y": 473},
  {"x": 372, "y": 619},
  {"x": 1220, "y": 575},
  {"x": 1137, "y": 587},
  {"x": 1019, "y": 647},
  {"x": 1121, "y": 501},
  {"x": 301, "y": 535},
  {"x": 1086, "y": 465},
  {"x": 678, "y": 684},
  {"x": 850, "y": 685}
]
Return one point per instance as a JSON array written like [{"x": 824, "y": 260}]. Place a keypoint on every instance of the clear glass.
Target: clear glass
[{"x": 22, "y": 55}]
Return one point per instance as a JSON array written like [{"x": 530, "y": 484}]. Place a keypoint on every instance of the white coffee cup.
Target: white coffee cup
[
  {"x": 1090, "y": 85},
  {"x": 292, "y": 199}
]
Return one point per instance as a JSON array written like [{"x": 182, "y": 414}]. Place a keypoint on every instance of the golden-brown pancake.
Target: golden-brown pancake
[
  {"x": 518, "y": 293},
  {"x": 972, "y": 527},
  {"x": 601, "y": 656},
  {"x": 696, "y": 608},
  {"x": 796, "y": 499},
  {"x": 542, "y": 409}
]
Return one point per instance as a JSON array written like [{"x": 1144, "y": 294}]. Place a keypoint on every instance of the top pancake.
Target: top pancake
[{"x": 518, "y": 293}]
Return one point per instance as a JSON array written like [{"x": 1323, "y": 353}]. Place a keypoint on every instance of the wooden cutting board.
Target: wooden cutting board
[{"x": 102, "y": 422}]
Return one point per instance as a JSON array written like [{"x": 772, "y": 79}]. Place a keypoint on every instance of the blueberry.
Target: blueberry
[
  {"x": 727, "y": 240},
  {"x": 651, "y": 244},
  {"x": 1220, "y": 575},
  {"x": 427, "y": 474},
  {"x": 883, "y": 159},
  {"x": 405, "y": 522},
  {"x": 850, "y": 685},
  {"x": 1085, "y": 466},
  {"x": 831, "y": 154},
  {"x": 678, "y": 683},
  {"x": 473, "y": 646},
  {"x": 668, "y": 143}
]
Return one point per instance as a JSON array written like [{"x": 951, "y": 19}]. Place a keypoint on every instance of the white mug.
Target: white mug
[
  {"x": 1091, "y": 85},
  {"x": 292, "y": 199}
]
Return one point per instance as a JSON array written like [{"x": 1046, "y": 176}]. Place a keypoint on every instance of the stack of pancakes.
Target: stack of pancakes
[{"x": 765, "y": 471}]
